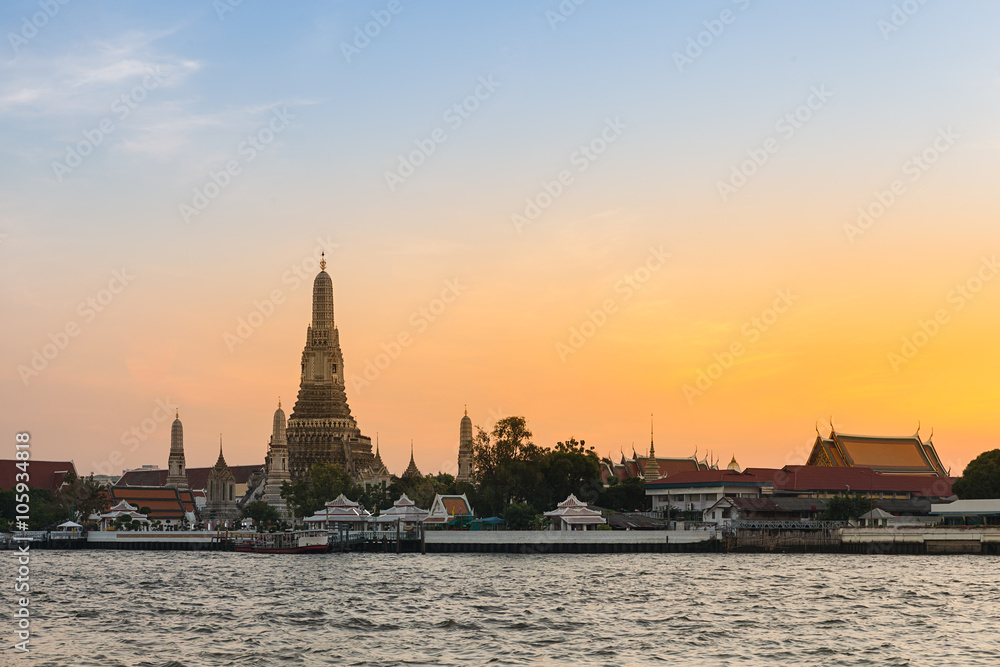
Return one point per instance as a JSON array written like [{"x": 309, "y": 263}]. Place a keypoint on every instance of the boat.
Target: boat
[{"x": 293, "y": 542}]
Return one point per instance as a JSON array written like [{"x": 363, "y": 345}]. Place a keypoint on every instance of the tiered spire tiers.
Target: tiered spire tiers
[{"x": 321, "y": 428}]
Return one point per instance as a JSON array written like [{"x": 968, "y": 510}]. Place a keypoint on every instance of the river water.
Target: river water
[{"x": 173, "y": 609}]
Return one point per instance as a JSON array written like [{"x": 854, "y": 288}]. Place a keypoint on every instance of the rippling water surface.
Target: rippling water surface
[{"x": 207, "y": 609}]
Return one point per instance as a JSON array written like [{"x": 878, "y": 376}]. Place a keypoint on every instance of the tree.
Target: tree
[
  {"x": 82, "y": 496},
  {"x": 506, "y": 465},
  {"x": 262, "y": 514},
  {"x": 570, "y": 468},
  {"x": 981, "y": 478},
  {"x": 520, "y": 516},
  {"x": 625, "y": 496},
  {"x": 842, "y": 508},
  {"x": 322, "y": 483}
]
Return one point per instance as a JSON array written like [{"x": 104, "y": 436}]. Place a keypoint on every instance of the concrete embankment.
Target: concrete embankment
[
  {"x": 195, "y": 540},
  {"x": 940, "y": 540},
  {"x": 570, "y": 542}
]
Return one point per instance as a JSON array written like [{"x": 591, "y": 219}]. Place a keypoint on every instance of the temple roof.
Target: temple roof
[
  {"x": 403, "y": 510},
  {"x": 444, "y": 508},
  {"x": 164, "y": 502},
  {"x": 197, "y": 477},
  {"x": 907, "y": 455},
  {"x": 44, "y": 474},
  {"x": 710, "y": 478},
  {"x": 411, "y": 470},
  {"x": 575, "y": 512}
]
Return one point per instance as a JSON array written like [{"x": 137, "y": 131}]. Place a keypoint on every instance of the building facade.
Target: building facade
[{"x": 221, "y": 492}]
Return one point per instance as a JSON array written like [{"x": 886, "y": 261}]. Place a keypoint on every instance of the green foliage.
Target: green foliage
[
  {"x": 521, "y": 516},
  {"x": 45, "y": 509},
  {"x": 511, "y": 468},
  {"x": 263, "y": 515},
  {"x": 625, "y": 496},
  {"x": 323, "y": 482},
  {"x": 421, "y": 490},
  {"x": 981, "y": 478},
  {"x": 842, "y": 508},
  {"x": 506, "y": 464},
  {"x": 82, "y": 496}
]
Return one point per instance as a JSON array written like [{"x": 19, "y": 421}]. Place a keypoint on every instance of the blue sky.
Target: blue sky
[{"x": 223, "y": 76}]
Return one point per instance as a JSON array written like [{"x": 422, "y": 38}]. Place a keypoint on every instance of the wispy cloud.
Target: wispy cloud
[{"x": 86, "y": 79}]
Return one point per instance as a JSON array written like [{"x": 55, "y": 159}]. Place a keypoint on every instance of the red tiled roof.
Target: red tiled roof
[
  {"x": 197, "y": 477},
  {"x": 670, "y": 466},
  {"x": 708, "y": 476},
  {"x": 861, "y": 480},
  {"x": 42, "y": 474}
]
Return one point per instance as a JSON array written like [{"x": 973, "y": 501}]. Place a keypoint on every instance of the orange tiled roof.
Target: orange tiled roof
[
  {"x": 891, "y": 455},
  {"x": 163, "y": 502},
  {"x": 455, "y": 506}
]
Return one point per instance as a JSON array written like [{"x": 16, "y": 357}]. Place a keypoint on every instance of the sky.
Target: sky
[{"x": 743, "y": 218}]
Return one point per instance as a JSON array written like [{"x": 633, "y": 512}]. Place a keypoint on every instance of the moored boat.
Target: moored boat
[{"x": 294, "y": 542}]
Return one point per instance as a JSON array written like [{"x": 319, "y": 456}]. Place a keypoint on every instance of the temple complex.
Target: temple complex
[
  {"x": 908, "y": 455},
  {"x": 321, "y": 428},
  {"x": 466, "y": 465}
]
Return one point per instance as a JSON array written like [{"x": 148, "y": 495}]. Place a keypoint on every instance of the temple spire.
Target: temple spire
[
  {"x": 221, "y": 463},
  {"x": 176, "y": 474},
  {"x": 651, "y": 470}
]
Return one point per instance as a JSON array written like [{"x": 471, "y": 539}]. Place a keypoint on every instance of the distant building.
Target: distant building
[
  {"x": 908, "y": 455},
  {"x": 276, "y": 468},
  {"x": 792, "y": 492},
  {"x": 466, "y": 464},
  {"x": 243, "y": 475},
  {"x": 573, "y": 514},
  {"x": 169, "y": 505},
  {"x": 321, "y": 428},
  {"x": 652, "y": 466},
  {"x": 42, "y": 474},
  {"x": 340, "y": 512},
  {"x": 449, "y": 511},
  {"x": 411, "y": 470},
  {"x": 404, "y": 511},
  {"x": 696, "y": 491},
  {"x": 379, "y": 474},
  {"x": 221, "y": 500},
  {"x": 968, "y": 512},
  {"x": 176, "y": 470},
  {"x": 122, "y": 509}
]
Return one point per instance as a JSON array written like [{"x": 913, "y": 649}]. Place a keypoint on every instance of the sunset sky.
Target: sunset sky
[{"x": 612, "y": 201}]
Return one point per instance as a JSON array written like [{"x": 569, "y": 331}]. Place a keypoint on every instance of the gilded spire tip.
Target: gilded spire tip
[{"x": 322, "y": 261}]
